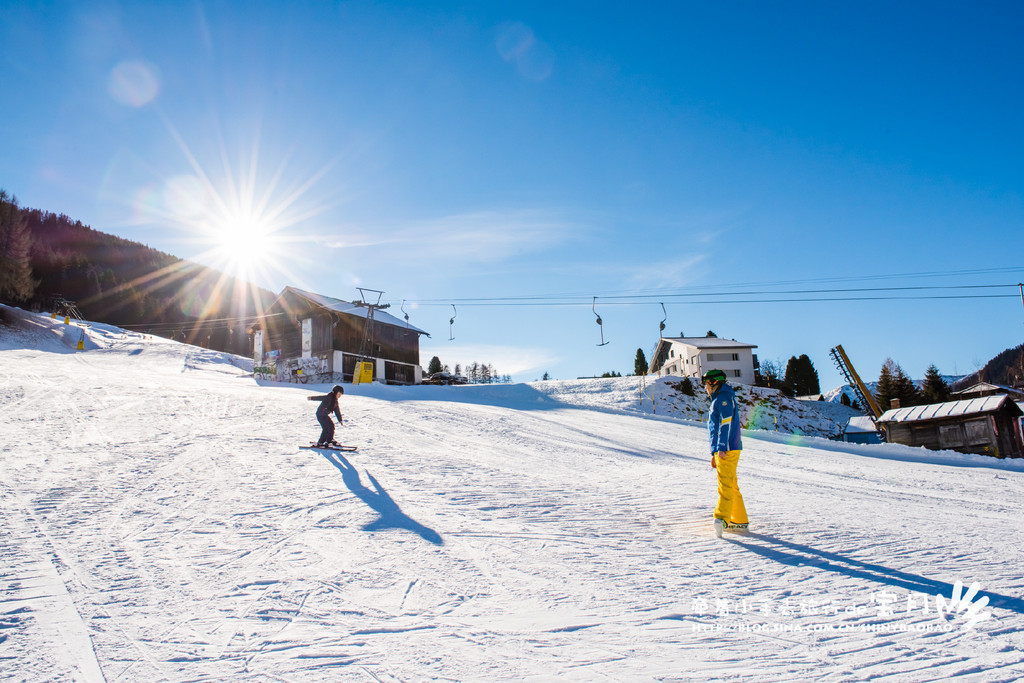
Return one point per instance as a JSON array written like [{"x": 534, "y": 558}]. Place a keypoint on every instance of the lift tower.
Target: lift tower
[{"x": 842, "y": 362}]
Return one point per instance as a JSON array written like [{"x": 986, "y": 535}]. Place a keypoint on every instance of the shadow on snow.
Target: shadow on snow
[
  {"x": 390, "y": 515},
  {"x": 795, "y": 554}
]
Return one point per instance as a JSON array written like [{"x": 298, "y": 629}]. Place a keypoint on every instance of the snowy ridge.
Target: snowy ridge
[
  {"x": 161, "y": 524},
  {"x": 761, "y": 409}
]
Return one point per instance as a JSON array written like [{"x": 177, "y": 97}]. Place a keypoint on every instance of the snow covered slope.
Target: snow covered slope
[
  {"x": 159, "y": 523},
  {"x": 761, "y": 409}
]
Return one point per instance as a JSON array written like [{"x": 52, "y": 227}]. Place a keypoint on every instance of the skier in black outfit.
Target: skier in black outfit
[{"x": 328, "y": 405}]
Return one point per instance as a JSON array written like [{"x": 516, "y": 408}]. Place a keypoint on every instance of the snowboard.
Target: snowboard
[
  {"x": 344, "y": 449},
  {"x": 721, "y": 525}
]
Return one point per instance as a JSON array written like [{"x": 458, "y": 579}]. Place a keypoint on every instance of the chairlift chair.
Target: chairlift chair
[{"x": 600, "y": 323}]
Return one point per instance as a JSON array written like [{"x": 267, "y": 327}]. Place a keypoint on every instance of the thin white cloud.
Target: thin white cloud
[
  {"x": 483, "y": 236},
  {"x": 667, "y": 273},
  {"x": 518, "y": 44},
  {"x": 491, "y": 235}
]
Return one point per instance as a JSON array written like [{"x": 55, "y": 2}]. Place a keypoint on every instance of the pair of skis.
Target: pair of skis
[{"x": 338, "y": 447}]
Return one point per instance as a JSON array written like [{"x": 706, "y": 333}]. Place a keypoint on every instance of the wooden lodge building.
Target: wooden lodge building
[
  {"x": 988, "y": 425},
  {"x": 306, "y": 337}
]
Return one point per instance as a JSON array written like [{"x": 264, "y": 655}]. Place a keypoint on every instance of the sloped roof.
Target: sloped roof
[
  {"x": 987, "y": 386},
  {"x": 938, "y": 411},
  {"x": 711, "y": 342},
  {"x": 860, "y": 424},
  {"x": 349, "y": 308}
]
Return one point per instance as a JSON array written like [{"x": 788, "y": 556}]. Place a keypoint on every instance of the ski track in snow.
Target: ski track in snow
[{"x": 160, "y": 523}]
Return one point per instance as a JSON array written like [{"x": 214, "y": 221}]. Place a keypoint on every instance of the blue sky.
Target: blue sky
[{"x": 518, "y": 159}]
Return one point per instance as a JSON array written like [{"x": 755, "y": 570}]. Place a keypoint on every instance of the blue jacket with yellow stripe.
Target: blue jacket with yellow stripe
[{"x": 724, "y": 420}]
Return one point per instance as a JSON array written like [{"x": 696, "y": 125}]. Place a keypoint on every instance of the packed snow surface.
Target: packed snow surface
[{"x": 160, "y": 523}]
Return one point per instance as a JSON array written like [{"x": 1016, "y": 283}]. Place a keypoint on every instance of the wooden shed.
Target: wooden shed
[
  {"x": 861, "y": 429},
  {"x": 988, "y": 426},
  {"x": 305, "y": 337}
]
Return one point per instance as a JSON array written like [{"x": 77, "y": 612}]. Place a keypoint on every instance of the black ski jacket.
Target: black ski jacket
[{"x": 328, "y": 405}]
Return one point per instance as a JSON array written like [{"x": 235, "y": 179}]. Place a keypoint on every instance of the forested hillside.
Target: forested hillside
[
  {"x": 46, "y": 257},
  {"x": 1007, "y": 368}
]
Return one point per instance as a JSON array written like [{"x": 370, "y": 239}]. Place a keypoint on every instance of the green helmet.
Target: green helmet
[{"x": 713, "y": 376}]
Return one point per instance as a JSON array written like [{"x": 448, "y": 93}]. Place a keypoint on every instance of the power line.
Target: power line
[
  {"x": 729, "y": 297},
  {"x": 605, "y": 302},
  {"x": 752, "y": 288}
]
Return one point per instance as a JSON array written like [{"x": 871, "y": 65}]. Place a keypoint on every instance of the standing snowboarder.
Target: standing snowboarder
[
  {"x": 724, "y": 434},
  {"x": 328, "y": 405}
]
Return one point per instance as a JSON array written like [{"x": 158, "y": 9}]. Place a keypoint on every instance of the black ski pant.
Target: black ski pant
[{"x": 327, "y": 434}]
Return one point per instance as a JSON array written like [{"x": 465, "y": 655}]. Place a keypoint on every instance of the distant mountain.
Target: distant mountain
[{"x": 125, "y": 283}]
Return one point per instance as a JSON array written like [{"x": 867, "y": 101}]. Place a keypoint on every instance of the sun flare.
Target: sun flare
[{"x": 243, "y": 241}]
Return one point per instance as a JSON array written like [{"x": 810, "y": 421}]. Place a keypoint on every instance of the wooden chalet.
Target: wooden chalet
[
  {"x": 988, "y": 425},
  {"x": 307, "y": 337}
]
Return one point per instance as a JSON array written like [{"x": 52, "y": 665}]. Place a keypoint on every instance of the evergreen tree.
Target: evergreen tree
[
  {"x": 801, "y": 377},
  {"x": 16, "y": 283},
  {"x": 885, "y": 391},
  {"x": 434, "y": 366},
  {"x": 686, "y": 386},
  {"x": 711, "y": 334},
  {"x": 810, "y": 375},
  {"x": 546, "y": 376},
  {"x": 640, "y": 364},
  {"x": 906, "y": 392},
  {"x": 935, "y": 389},
  {"x": 613, "y": 373},
  {"x": 894, "y": 383}
]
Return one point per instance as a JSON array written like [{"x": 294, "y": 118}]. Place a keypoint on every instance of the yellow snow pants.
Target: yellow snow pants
[{"x": 730, "y": 501}]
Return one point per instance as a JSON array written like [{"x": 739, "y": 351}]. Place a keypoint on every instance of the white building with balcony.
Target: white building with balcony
[{"x": 693, "y": 356}]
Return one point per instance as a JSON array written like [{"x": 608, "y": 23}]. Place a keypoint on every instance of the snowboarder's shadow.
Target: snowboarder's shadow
[
  {"x": 390, "y": 515},
  {"x": 796, "y": 554}
]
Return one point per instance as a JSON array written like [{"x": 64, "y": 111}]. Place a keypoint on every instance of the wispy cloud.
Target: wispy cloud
[
  {"x": 667, "y": 273},
  {"x": 482, "y": 236},
  {"x": 518, "y": 44}
]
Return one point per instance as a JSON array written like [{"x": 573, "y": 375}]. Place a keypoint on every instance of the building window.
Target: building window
[{"x": 737, "y": 373}]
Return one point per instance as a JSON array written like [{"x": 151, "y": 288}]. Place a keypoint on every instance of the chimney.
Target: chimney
[{"x": 894, "y": 404}]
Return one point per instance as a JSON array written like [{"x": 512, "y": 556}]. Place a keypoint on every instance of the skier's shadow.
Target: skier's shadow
[
  {"x": 795, "y": 554},
  {"x": 390, "y": 515}
]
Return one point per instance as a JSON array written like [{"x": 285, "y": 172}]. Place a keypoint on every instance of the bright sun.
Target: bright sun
[
  {"x": 243, "y": 242},
  {"x": 242, "y": 220}
]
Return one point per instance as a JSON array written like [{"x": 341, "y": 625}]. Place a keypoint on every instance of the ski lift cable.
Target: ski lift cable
[
  {"x": 627, "y": 302},
  {"x": 764, "y": 287},
  {"x": 627, "y": 298}
]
